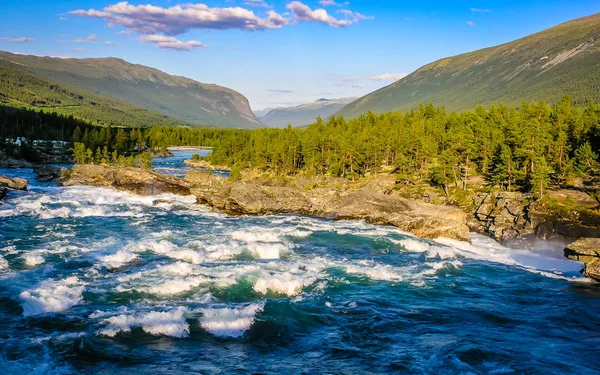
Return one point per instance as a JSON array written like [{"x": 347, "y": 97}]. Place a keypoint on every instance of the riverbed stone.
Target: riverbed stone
[{"x": 586, "y": 250}]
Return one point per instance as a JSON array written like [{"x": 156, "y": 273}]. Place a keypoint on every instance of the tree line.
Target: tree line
[{"x": 525, "y": 148}]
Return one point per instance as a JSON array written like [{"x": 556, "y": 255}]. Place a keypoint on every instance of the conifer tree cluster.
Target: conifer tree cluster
[{"x": 527, "y": 148}]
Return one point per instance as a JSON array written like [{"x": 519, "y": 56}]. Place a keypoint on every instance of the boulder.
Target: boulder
[
  {"x": 47, "y": 173},
  {"x": 586, "y": 250},
  {"x": 135, "y": 180},
  {"x": 15, "y": 183}
]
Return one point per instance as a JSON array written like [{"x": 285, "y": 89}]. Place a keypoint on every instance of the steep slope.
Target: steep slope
[
  {"x": 304, "y": 114},
  {"x": 21, "y": 89},
  {"x": 563, "y": 60},
  {"x": 178, "y": 97},
  {"x": 262, "y": 112}
]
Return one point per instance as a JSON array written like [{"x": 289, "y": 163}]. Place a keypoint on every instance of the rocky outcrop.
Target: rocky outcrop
[
  {"x": 11, "y": 183},
  {"x": 423, "y": 220},
  {"x": 205, "y": 164},
  {"x": 14, "y": 183},
  {"x": 586, "y": 250},
  {"x": 248, "y": 198},
  {"x": 509, "y": 216},
  {"x": 46, "y": 173},
  {"x": 135, "y": 180}
]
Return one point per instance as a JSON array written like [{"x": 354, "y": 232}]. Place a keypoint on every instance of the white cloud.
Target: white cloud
[
  {"x": 470, "y": 23},
  {"x": 18, "y": 40},
  {"x": 256, "y": 3},
  {"x": 304, "y": 13},
  {"x": 150, "y": 19},
  {"x": 166, "y": 42},
  {"x": 388, "y": 77},
  {"x": 328, "y": 3},
  {"x": 479, "y": 10},
  {"x": 357, "y": 17}
]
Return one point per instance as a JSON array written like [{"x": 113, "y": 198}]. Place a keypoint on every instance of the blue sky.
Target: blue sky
[{"x": 276, "y": 52}]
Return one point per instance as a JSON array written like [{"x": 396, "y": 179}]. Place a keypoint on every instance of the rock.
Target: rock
[
  {"x": 381, "y": 184},
  {"x": 197, "y": 176},
  {"x": 47, "y": 173},
  {"x": 135, "y": 180},
  {"x": 423, "y": 220},
  {"x": 15, "y": 183},
  {"x": 574, "y": 197},
  {"x": 248, "y": 198},
  {"x": 3, "y": 193},
  {"x": 156, "y": 202},
  {"x": 586, "y": 250},
  {"x": 206, "y": 165}
]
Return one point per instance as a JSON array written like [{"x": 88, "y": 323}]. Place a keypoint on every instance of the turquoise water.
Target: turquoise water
[{"x": 98, "y": 281}]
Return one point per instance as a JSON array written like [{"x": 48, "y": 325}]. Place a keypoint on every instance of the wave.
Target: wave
[
  {"x": 165, "y": 323},
  {"x": 230, "y": 322},
  {"x": 52, "y": 296}
]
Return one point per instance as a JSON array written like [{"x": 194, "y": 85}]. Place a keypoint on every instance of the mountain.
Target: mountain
[
  {"x": 303, "y": 114},
  {"x": 21, "y": 89},
  {"x": 174, "y": 96},
  {"x": 262, "y": 112},
  {"x": 562, "y": 60}
]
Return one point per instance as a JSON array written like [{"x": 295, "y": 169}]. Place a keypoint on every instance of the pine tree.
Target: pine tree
[{"x": 541, "y": 178}]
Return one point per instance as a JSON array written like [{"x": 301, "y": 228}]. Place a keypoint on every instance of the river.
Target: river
[{"x": 98, "y": 281}]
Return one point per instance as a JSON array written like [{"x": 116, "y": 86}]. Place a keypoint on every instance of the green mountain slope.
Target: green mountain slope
[
  {"x": 178, "y": 97},
  {"x": 303, "y": 114},
  {"x": 21, "y": 89},
  {"x": 563, "y": 60}
]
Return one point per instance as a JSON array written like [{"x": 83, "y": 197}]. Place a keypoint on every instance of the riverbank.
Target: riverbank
[
  {"x": 250, "y": 198},
  {"x": 188, "y": 148}
]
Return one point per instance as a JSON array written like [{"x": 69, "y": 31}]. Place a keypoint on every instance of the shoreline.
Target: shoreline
[{"x": 188, "y": 148}]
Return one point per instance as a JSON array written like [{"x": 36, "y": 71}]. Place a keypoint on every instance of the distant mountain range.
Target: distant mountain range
[
  {"x": 130, "y": 87},
  {"x": 303, "y": 114},
  {"x": 562, "y": 60}
]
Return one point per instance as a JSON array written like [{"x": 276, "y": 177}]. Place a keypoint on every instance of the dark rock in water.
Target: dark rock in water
[
  {"x": 586, "y": 250},
  {"x": 3, "y": 193},
  {"x": 15, "y": 183},
  {"x": 156, "y": 202},
  {"x": 135, "y": 180},
  {"x": 47, "y": 173}
]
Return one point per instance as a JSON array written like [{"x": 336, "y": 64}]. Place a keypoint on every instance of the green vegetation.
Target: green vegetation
[
  {"x": 113, "y": 85},
  {"x": 545, "y": 66},
  {"x": 526, "y": 149},
  {"x": 20, "y": 89}
]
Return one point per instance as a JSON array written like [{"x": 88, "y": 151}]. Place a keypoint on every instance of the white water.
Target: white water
[{"x": 191, "y": 266}]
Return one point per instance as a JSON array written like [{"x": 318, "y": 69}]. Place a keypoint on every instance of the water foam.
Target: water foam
[
  {"x": 3, "y": 264},
  {"x": 157, "y": 323},
  {"x": 118, "y": 259},
  {"x": 33, "y": 259},
  {"x": 283, "y": 283},
  {"x": 230, "y": 322},
  {"x": 486, "y": 249},
  {"x": 52, "y": 296}
]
